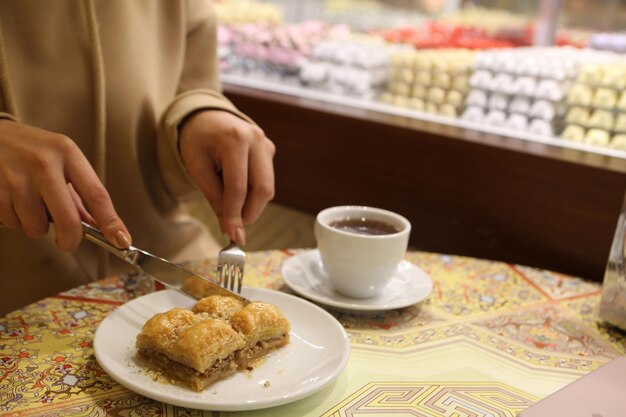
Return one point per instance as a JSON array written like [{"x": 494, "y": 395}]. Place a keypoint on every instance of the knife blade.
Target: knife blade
[{"x": 167, "y": 273}]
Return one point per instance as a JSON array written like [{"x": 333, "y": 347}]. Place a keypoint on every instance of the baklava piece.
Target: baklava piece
[
  {"x": 265, "y": 329},
  {"x": 191, "y": 350},
  {"x": 218, "y": 306},
  {"x": 199, "y": 287},
  {"x": 220, "y": 336}
]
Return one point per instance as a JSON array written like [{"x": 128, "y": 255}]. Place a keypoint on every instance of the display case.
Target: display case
[{"x": 448, "y": 113}]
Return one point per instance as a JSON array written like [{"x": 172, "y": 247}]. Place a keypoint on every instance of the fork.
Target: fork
[{"x": 230, "y": 265}]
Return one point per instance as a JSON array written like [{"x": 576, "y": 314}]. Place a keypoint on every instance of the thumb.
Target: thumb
[{"x": 233, "y": 227}]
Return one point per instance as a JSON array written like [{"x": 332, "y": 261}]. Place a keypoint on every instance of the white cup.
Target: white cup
[{"x": 360, "y": 265}]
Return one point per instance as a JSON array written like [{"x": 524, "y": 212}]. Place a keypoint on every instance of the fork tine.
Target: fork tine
[
  {"x": 235, "y": 277},
  {"x": 239, "y": 279},
  {"x": 224, "y": 276},
  {"x": 229, "y": 276},
  {"x": 230, "y": 265},
  {"x": 218, "y": 274}
]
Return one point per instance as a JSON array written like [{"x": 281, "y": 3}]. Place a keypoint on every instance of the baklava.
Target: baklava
[
  {"x": 200, "y": 288},
  {"x": 218, "y": 306},
  {"x": 265, "y": 329},
  {"x": 191, "y": 350},
  {"x": 220, "y": 335}
]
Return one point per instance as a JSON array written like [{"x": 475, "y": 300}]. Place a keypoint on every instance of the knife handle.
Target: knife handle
[{"x": 95, "y": 236}]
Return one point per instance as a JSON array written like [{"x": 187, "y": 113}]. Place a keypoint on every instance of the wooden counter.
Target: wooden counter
[{"x": 464, "y": 191}]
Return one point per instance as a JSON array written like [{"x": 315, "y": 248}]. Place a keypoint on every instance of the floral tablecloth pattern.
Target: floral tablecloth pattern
[{"x": 490, "y": 340}]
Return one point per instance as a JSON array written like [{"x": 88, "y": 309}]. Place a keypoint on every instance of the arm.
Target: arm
[{"x": 206, "y": 144}]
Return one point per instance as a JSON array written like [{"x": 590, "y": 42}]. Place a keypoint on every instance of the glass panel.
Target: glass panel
[
  {"x": 450, "y": 61},
  {"x": 613, "y": 302}
]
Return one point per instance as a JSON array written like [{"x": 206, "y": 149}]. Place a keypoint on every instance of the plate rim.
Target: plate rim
[
  {"x": 350, "y": 306},
  {"x": 221, "y": 406}
]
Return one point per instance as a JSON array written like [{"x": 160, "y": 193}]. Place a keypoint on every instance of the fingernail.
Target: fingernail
[
  {"x": 240, "y": 236},
  {"x": 122, "y": 239}
]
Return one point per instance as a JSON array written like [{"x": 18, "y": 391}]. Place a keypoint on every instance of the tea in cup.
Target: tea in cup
[{"x": 361, "y": 247}]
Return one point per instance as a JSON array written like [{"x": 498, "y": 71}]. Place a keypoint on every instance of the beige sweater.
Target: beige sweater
[{"x": 116, "y": 76}]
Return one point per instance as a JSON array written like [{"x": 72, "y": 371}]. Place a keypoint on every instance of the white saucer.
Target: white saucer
[{"x": 305, "y": 275}]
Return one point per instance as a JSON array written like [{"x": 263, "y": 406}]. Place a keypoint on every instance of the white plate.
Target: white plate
[
  {"x": 317, "y": 353},
  {"x": 305, "y": 274}
]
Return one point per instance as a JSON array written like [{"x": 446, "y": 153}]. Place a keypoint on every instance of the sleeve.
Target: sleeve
[
  {"x": 7, "y": 116},
  {"x": 199, "y": 89}
]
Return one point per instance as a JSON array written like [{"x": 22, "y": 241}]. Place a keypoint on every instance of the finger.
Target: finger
[
  {"x": 8, "y": 217},
  {"x": 31, "y": 212},
  {"x": 97, "y": 200},
  {"x": 82, "y": 210},
  {"x": 63, "y": 213},
  {"x": 261, "y": 173},
  {"x": 209, "y": 181},
  {"x": 235, "y": 180}
]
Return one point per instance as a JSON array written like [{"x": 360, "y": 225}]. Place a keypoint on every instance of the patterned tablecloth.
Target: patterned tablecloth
[{"x": 490, "y": 340}]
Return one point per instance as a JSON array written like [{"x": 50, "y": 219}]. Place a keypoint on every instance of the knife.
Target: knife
[{"x": 167, "y": 273}]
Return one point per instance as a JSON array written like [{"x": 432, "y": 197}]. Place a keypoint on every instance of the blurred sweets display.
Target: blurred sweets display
[
  {"x": 354, "y": 66},
  {"x": 596, "y": 113},
  {"x": 230, "y": 12},
  {"x": 236, "y": 12},
  {"x": 273, "y": 52},
  {"x": 495, "y": 22},
  {"x": 434, "y": 81},
  {"x": 522, "y": 89},
  {"x": 365, "y": 15},
  {"x": 444, "y": 35},
  {"x": 615, "y": 42},
  {"x": 575, "y": 37},
  {"x": 468, "y": 65}
]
